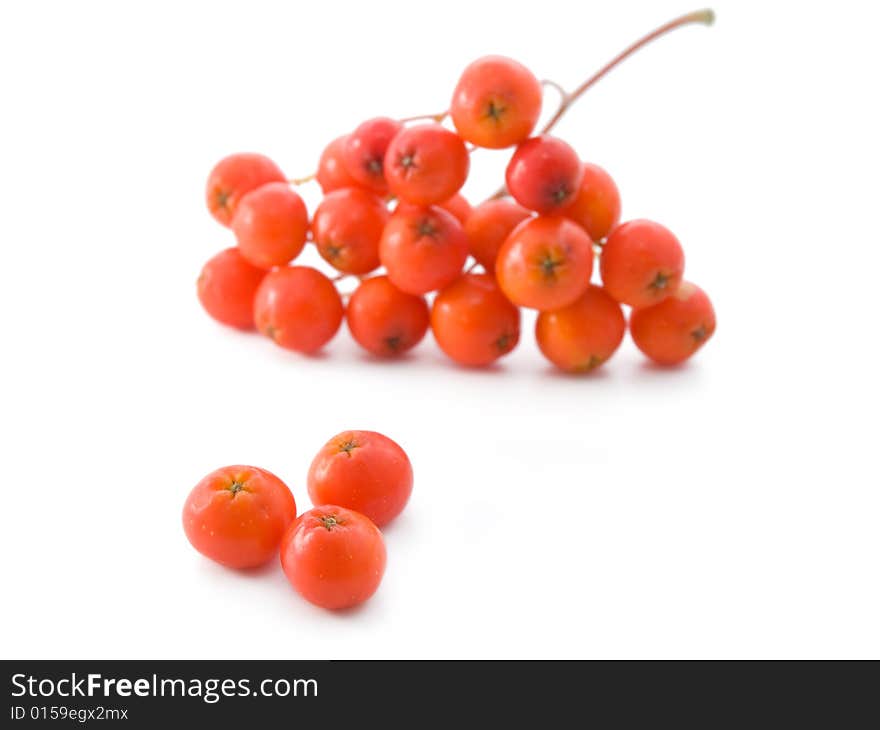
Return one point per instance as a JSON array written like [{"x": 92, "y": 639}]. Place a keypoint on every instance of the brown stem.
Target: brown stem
[{"x": 706, "y": 17}]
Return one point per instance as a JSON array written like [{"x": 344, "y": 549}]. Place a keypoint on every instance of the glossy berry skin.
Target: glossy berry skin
[
  {"x": 545, "y": 263},
  {"x": 496, "y": 102},
  {"x": 364, "y": 152},
  {"x": 346, "y": 228},
  {"x": 672, "y": 330},
  {"x": 333, "y": 557},
  {"x": 489, "y": 225},
  {"x": 422, "y": 248},
  {"x": 458, "y": 206},
  {"x": 642, "y": 263},
  {"x": 544, "y": 174},
  {"x": 234, "y": 177},
  {"x": 473, "y": 322},
  {"x": 226, "y": 288},
  {"x": 332, "y": 174},
  {"x": 237, "y": 516},
  {"x": 384, "y": 320},
  {"x": 596, "y": 205},
  {"x": 270, "y": 225},
  {"x": 426, "y": 164},
  {"x": 580, "y": 337},
  {"x": 298, "y": 308},
  {"x": 363, "y": 471}
]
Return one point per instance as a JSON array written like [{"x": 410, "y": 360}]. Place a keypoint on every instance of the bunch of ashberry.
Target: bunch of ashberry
[
  {"x": 391, "y": 201},
  {"x": 333, "y": 555}
]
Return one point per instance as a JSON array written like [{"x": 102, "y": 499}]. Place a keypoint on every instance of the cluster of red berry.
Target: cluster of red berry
[
  {"x": 334, "y": 554},
  {"x": 391, "y": 199}
]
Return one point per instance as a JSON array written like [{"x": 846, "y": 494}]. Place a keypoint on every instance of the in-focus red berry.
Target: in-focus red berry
[
  {"x": 332, "y": 174},
  {"x": 545, "y": 263},
  {"x": 642, "y": 263},
  {"x": 672, "y": 330},
  {"x": 544, "y": 174},
  {"x": 347, "y": 227},
  {"x": 458, "y": 206},
  {"x": 364, "y": 152},
  {"x": 298, "y": 308},
  {"x": 489, "y": 225},
  {"x": 226, "y": 288},
  {"x": 363, "y": 471},
  {"x": 596, "y": 205},
  {"x": 422, "y": 248},
  {"x": 384, "y": 320},
  {"x": 234, "y": 177},
  {"x": 426, "y": 164},
  {"x": 473, "y": 322},
  {"x": 270, "y": 225},
  {"x": 334, "y": 557},
  {"x": 496, "y": 102},
  {"x": 237, "y": 516},
  {"x": 580, "y": 337}
]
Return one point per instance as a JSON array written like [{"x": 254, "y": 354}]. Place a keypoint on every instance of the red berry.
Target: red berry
[
  {"x": 458, "y": 206},
  {"x": 237, "y": 516},
  {"x": 226, "y": 288},
  {"x": 270, "y": 225},
  {"x": 489, "y": 225},
  {"x": 545, "y": 263},
  {"x": 347, "y": 227},
  {"x": 234, "y": 177},
  {"x": 426, "y": 164},
  {"x": 473, "y": 322},
  {"x": 496, "y": 102},
  {"x": 363, "y": 471},
  {"x": 334, "y": 557},
  {"x": 642, "y": 263},
  {"x": 422, "y": 248},
  {"x": 384, "y": 320},
  {"x": 583, "y": 335},
  {"x": 298, "y": 308},
  {"x": 364, "y": 152},
  {"x": 332, "y": 174},
  {"x": 674, "y": 329},
  {"x": 596, "y": 206},
  {"x": 544, "y": 174}
]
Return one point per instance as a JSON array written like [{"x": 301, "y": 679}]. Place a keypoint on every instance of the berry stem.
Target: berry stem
[
  {"x": 439, "y": 117},
  {"x": 705, "y": 17},
  {"x": 303, "y": 180}
]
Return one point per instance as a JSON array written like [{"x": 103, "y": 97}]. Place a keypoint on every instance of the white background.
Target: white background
[{"x": 726, "y": 509}]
